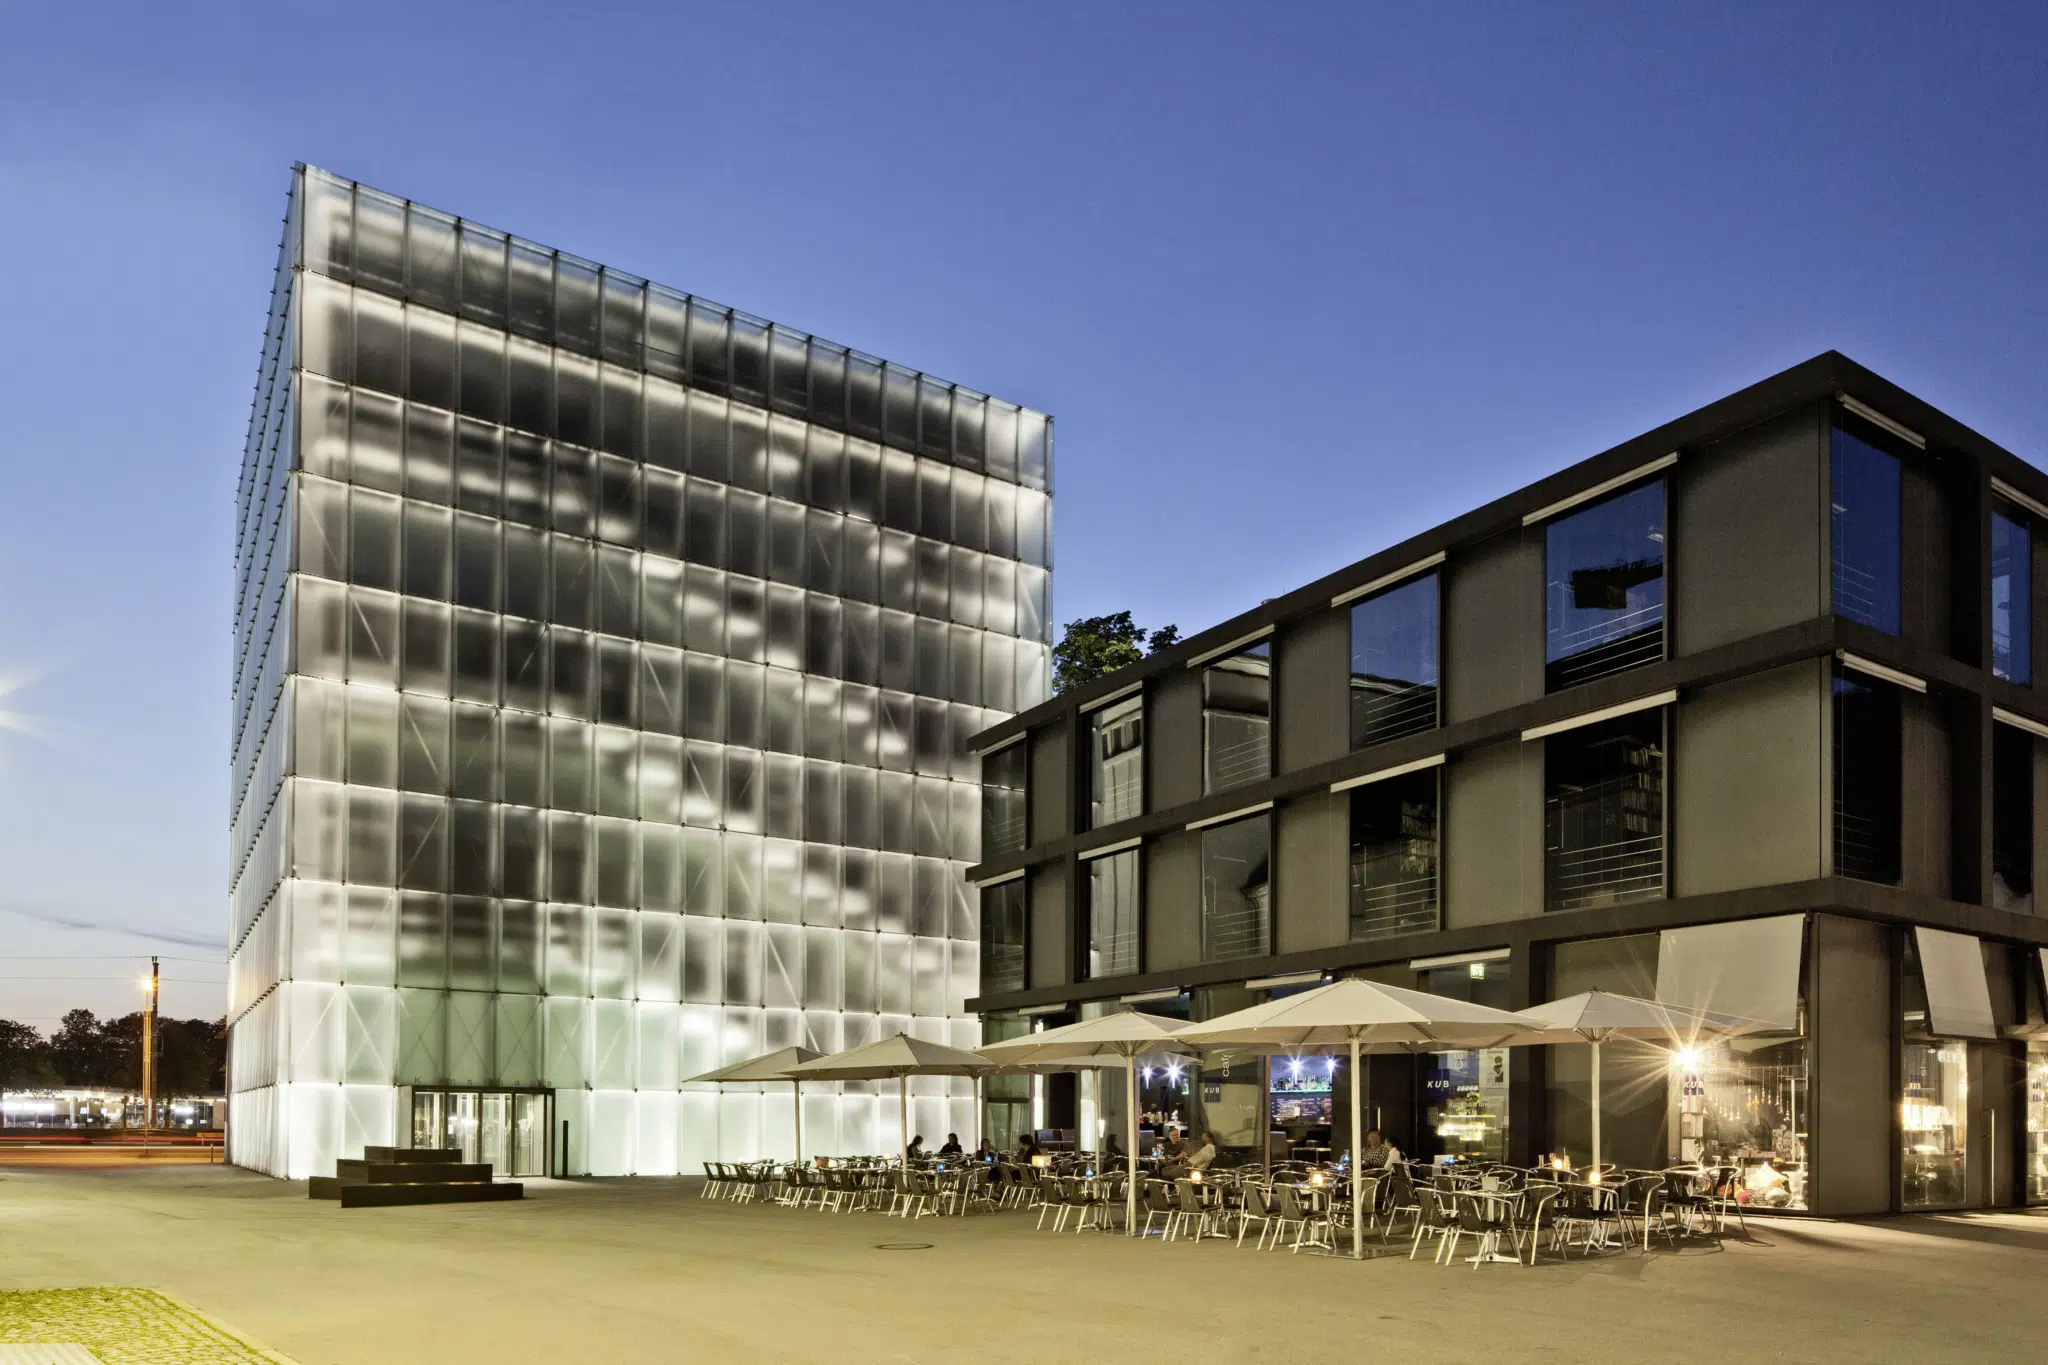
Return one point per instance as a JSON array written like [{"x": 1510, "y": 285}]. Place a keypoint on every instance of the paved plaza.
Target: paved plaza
[{"x": 645, "y": 1272}]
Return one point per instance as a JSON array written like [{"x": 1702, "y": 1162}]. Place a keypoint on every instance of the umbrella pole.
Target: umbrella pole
[
  {"x": 903, "y": 1117},
  {"x": 977, "y": 1116},
  {"x": 1131, "y": 1146},
  {"x": 796, "y": 1094},
  {"x": 1596, "y": 1103},
  {"x": 1357, "y": 1219}
]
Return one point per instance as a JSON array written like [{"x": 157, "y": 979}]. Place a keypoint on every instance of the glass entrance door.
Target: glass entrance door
[{"x": 506, "y": 1128}]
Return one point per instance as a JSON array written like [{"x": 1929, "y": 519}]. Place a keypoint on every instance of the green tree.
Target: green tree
[
  {"x": 24, "y": 1058},
  {"x": 1096, "y": 646},
  {"x": 86, "y": 1052}
]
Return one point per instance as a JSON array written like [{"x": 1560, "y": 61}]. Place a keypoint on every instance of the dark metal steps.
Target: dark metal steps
[{"x": 386, "y": 1176}]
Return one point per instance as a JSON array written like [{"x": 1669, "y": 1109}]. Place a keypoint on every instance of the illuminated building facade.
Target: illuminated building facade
[{"x": 605, "y": 661}]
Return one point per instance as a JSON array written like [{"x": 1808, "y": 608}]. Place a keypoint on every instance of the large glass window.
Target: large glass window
[
  {"x": 2012, "y": 819},
  {"x": 1237, "y": 908},
  {"x": 1394, "y": 663},
  {"x": 1394, "y": 856},
  {"x": 1112, "y": 908},
  {"x": 1934, "y": 1093},
  {"x": 1008, "y": 1096},
  {"x": 1749, "y": 1107},
  {"x": 1116, "y": 762},
  {"x": 1604, "y": 812},
  {"x": 1464, "y": 1094},
  {"x": 1604, "y": 598},
  {"x": 2012, "y": 601},
  {"x": 1002, "y": 937},
  {"x": 2037, "y": 1123},
  {"x": 1866, "y": 774},
  {"x": 1866, "y": 532},
  {"x": 1004, "y": 800},
  {"x": 1237, "y": 718}
]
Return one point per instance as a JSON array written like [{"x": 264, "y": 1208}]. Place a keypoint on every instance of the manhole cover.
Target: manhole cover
[{"x": 903, "y": 1246}]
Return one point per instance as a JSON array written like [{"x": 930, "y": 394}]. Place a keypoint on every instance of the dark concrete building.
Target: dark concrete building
[{"x": 1742, "y": 713}]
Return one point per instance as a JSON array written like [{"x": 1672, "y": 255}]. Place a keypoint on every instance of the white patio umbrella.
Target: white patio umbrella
[
  {"x": 1597, "y": 1017},
  {"x": 1114, "y": 1040},
  {"x": 900, "y": 1057},
  {"x": 1358, "y": 1016},
  {"x": 771, "y": 1066}
]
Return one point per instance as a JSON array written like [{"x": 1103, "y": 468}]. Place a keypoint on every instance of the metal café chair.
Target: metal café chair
[
  {"x": 1259, "y": 1207},
  {"x": 1437, "y": 1218},
  {"x": 1312, "y": 1228},
  {"x": 1538, "y": 1199},
  {"x": 1159, "y": 1204}
]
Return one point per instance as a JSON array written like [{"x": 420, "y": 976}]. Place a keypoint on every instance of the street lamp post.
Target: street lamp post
[{"x": 149, "y": 1051}]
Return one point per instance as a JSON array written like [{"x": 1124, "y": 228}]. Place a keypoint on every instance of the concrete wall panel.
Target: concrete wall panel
[{"x": 1748, "y": 781}]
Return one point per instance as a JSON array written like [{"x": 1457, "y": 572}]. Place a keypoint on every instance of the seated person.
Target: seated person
[
  {"x": 952, "y": 1146},
  {"x": 916, "y": 1150},
  {"x": 1027, "y": 1148},
  {"x": 1377, "y": 1154},
  {"x": 1204, "y": 1154},
  {"x": 986, "y": 1152}
]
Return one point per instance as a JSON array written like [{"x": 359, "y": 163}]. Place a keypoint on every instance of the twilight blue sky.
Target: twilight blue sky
[{"x": 1295, "y": 280}]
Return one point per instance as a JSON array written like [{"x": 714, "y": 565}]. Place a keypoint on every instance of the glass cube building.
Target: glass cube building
[{"x": 605, "y": 661}]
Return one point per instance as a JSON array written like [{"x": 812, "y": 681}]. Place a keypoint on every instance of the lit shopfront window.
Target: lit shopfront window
[
  {"x": 1746, "y": 1109},
  {"x": 1464, "y": 1094},
  {"x": 1934, "y": 1093},
  {"x": 2037, "y": 1123}
]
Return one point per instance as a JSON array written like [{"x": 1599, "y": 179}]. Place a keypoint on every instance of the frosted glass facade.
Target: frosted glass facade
[{"x": 604, "y": 664}]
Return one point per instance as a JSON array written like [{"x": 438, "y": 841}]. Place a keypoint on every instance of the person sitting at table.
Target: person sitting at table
[
  {"x": 1027, "y": 1148},
  {"x": 1199, "y": 1159},
  {"x": 986, "y": 1152},
  {"x": 1377, "y": 1154},
  {"x": 916, "y": 1149},
  {"x": 952, "y": 1147}
]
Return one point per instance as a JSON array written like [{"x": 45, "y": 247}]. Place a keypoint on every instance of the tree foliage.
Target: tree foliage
[
  {"x": 1096, "y": 646},
  {"x": 107, "y": 1054}
]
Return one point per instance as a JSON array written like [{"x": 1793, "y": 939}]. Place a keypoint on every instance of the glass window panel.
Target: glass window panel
[
  {"x": 473, "y": 766},
  {"x": 966, "y": 588},
  {"x": 894, "y": 877},
  {"x": 525, "y": 664},
  {"x": 899, "y": 404},
  {"x": 822, "y": 797},
  {"x": 934, "y": 665},
  {"x": 932, "y": 747},
  {"x": 423, "y": 744},
  {"x": 899, "y": 491},
  {"x": 2012, "y": 595},
  {"x": 745, "y": 791},
  {"x": 616, "y": 851},
  {"x": 1034, "y": 528},
  {"x": 1034, "y": 619},
  {"x": 786, "y": 459},
  {"x": 662, "y": 509},
  {"x": 822, "y": 633},
  {"x": 860, "y": 822},
  {"x": 785, "y": 635},
  {"x": 568, "y": 954},
  {"x": 749, "y": 429},
  {"x": 476, "y": 656},
  {"x": 619, "y": 428},
  {"x": 1005, "y": 801},
  {"x": 781, "y": 884},
  {"x": 859, "y": 566},
  {"x": 320, "y": 739},
  {"x": 575, "y": 399},
  {"x": 569, "y": 750},
  {"x": 1868, "y": 765},
  {"x": 1394, "y": 663},
  {"x": 821, "y": 718},
  {"x": 783, "y": 714},
  {"x": 786, "y": 542},
  {"x": 422, "y": 842},
  {"x": 1865, "y": 532},
  {"x": 473, "y": 851},
  {"x": 896, "y": 739},
  {"x": 372, "y": 637},
  {"x": 323, "y": 427},
  {"x": 428, "y": 536},
  {"x": 667, "y": 410},
  {"x": 483, "y": 274},
  {"x": 933, "y": 811},
  {"x": 618, "y": 775},
  {"x": 523, "y": 742},
  {"x": 661, "y": 601},
  {"x": 895, "y": 790},
  {"x": 519, "y": 947},
  {"x": 329, "y": 225},
  {"x": 482, "y": 362},
  {"x": 573, "y": 589},
  {"x": 576, "y": 292},
  {"x": 1112, "y": 908},
  {"x": 427, "y": 648},
  {"x": 742, "y": 879},
  {"x": 860, "y": 643},
  {"x": 704, "y": 610},
  {"x": 661, "y": 868},
  {"x": 703, "y": 874},
  {"x": 970, "y": 518},
  {"x": 899, "y": 571},
  {"x": 529, "y": 386},
  {"x": 1034, "y": 450},
  {"x": 704, "y": 523},
  {"x": 1604, "y": 812},
  {"x": 864, "y": 394},
  {"x": 703, "y": 790},
  {"x": 2012, "y": 819},
  {"x": 1934, "y": 1100},
  {"x": 1237, "y": 705},
  {"x": 1116, "y": 762},
  {"x": 660, "y": 690},
  {"x": 568, "y": 858},
  {"x": 899, "y": 651},
  {"x": 526, "y": 479},
  {"x": 479, "y": 468},
  {"x": 327, "y": 328},
  {"x": 934, "y": 501},
  {"x": 476, "y": 562},
  {"x": 430, "y": 358},
  {"x": 1394, "y": 888},
  {"x": 372, "y": 737},
  {"x": 618, "y": 500},
  {"x": 423, "y": 940},
  {"x": 864, "y": 480},
  {"x": 745, "y": 700},
  {"x": 322, "y": 546},
  {"x": 373, "y": 539},
  {"x": 824, "y": 469},
  {"x": 701, "y": 704},
  {"x": 618, "y": 591},
  {"x": 1003, "y": 917},
  {"x": 1605, "y": 591},
  {"x": 710, "y": 454},
  {"x": 746, "y": 533},
  {"x": 380, "y": 343},
  {"x": 661, "y": 778}
]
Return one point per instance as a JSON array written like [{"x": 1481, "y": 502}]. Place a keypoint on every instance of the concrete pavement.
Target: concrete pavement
[{"x": 644, "y": 1271}]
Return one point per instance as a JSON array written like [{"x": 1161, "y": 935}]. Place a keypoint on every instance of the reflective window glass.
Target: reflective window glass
[
  {"x": 1604, "y": 597},
  {"x": 1237, "y": 906},
  {"x": 1865, "y": 532},
  {"x": 1237, "y": 718},
  {"x": 1394, "y": 848},
  {"x": 1112, "y": 908},
  {"x": 2012, "y": 819},
  {"x": 1116, "y": 762},
  {"x": 1394, "y": 663},
  {"x": 1867, "y": 776},
  {"x": 1604, "y": 812},
  {"x": 2012, "y": 580},
  {"x": 1004, "y": 800}
]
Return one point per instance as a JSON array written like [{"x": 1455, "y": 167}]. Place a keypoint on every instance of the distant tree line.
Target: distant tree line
[{"x": 107, "y": 1054}]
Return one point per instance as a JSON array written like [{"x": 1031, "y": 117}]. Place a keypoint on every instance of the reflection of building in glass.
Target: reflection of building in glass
[
  {"x": 605, "y": 662},
  {"x": 1733, "y": 715}
]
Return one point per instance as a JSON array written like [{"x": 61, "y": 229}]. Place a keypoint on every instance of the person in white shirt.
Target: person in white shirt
[
  {"x": 1199, "y": 1159},
  {"x": 1378, "y": 1153}
]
